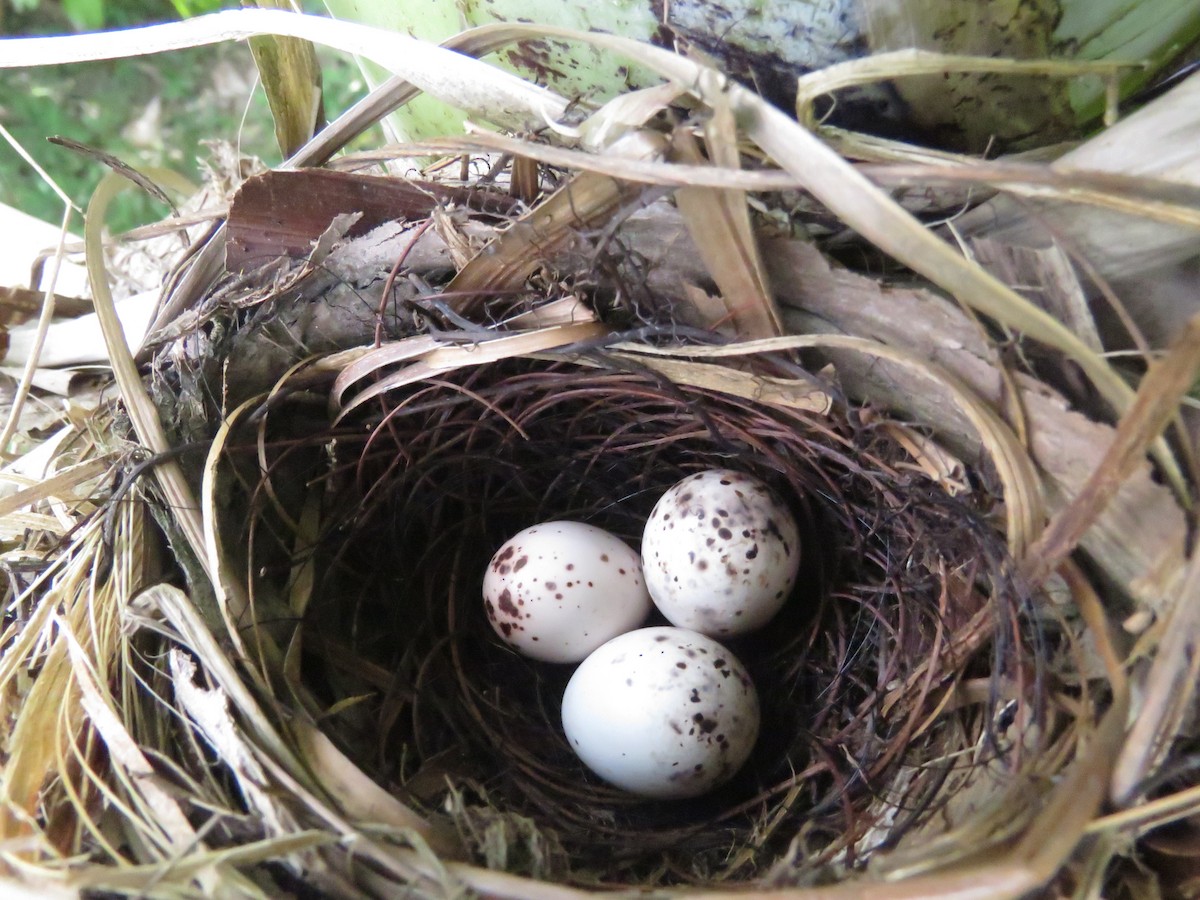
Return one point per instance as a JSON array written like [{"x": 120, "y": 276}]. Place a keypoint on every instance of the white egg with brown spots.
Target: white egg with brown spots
[
  {"x": 557, "y": 591},
  {"x": 662, "y": 712},
  {"x": 720, "y": 553}
]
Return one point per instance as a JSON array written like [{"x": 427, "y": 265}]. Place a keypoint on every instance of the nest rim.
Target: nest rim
[{"x": 562, "y": 809}]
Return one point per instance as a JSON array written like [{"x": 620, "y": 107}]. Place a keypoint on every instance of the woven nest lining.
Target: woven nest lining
[{"x": 422, "y": 486}]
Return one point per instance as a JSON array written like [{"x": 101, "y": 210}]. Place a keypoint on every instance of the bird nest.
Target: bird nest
[
  {"x": 357, "y": 387},
  {"x": 906, "y": 597}
]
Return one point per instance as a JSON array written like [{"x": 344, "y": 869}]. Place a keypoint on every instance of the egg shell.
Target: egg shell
[
  {"x": 661, "y": 712},
  {"x": 558, "y": 590},
  {"x": 720, "y": 553}
]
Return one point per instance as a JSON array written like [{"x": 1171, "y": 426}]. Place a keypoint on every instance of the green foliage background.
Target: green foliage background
[{"x": 204, "y": 95}]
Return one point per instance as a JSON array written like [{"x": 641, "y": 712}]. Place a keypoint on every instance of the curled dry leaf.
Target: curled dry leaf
[{"x": 281, "y": 213}]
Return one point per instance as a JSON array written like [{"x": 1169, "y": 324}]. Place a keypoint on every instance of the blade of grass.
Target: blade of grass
[
  {"x": 48, "y": 297},
  {"x": 67, "y": 479},
  {"x": 143, "y": 879},
  {"x": 791, "y": 393},
  {"x": 47, "y": 752},
  {"x": 1152, "y": 198},
  {"x": 1152, "y": 814}
]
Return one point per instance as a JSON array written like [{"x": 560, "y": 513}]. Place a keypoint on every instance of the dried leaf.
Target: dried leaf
[
  {"x": 786, "y": 392},
  {"x": 624, "y": 113},
  {"x": 719, "y": 223},
  {"x": 80, "y": 340},
  {"x": 281, "y": 213},
  {"x": 430, "y": 361},
  {"x": 563, "y": 311},
  {"x": 120, "y": 167},
  {"x": 934, "y": 461},
  {"x": 19, "y": 305}
]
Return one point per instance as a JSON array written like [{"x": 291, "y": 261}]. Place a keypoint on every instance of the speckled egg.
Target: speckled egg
[
  {"x": 558, "y": 590},
  {"x": 720, "y": 553},
  {"x": 661, "y": 712}
]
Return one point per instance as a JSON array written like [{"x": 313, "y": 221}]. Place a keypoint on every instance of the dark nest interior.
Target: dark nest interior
[{"x": 858, "y": 746}]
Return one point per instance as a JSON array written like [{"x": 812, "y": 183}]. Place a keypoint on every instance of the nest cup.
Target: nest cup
[{"x": 858, "y": 747}]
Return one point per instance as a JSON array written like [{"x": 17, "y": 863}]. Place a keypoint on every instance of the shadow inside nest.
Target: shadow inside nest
[{"x": 903, "y": 596}]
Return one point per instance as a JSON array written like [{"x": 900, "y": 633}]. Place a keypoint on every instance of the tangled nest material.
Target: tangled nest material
[{"x": 426, "y": 484}]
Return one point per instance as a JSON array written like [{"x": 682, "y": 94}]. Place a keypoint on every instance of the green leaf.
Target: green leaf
[
  {"x": 85, "y": 15},
  {"x": 291, "y": 77}
]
